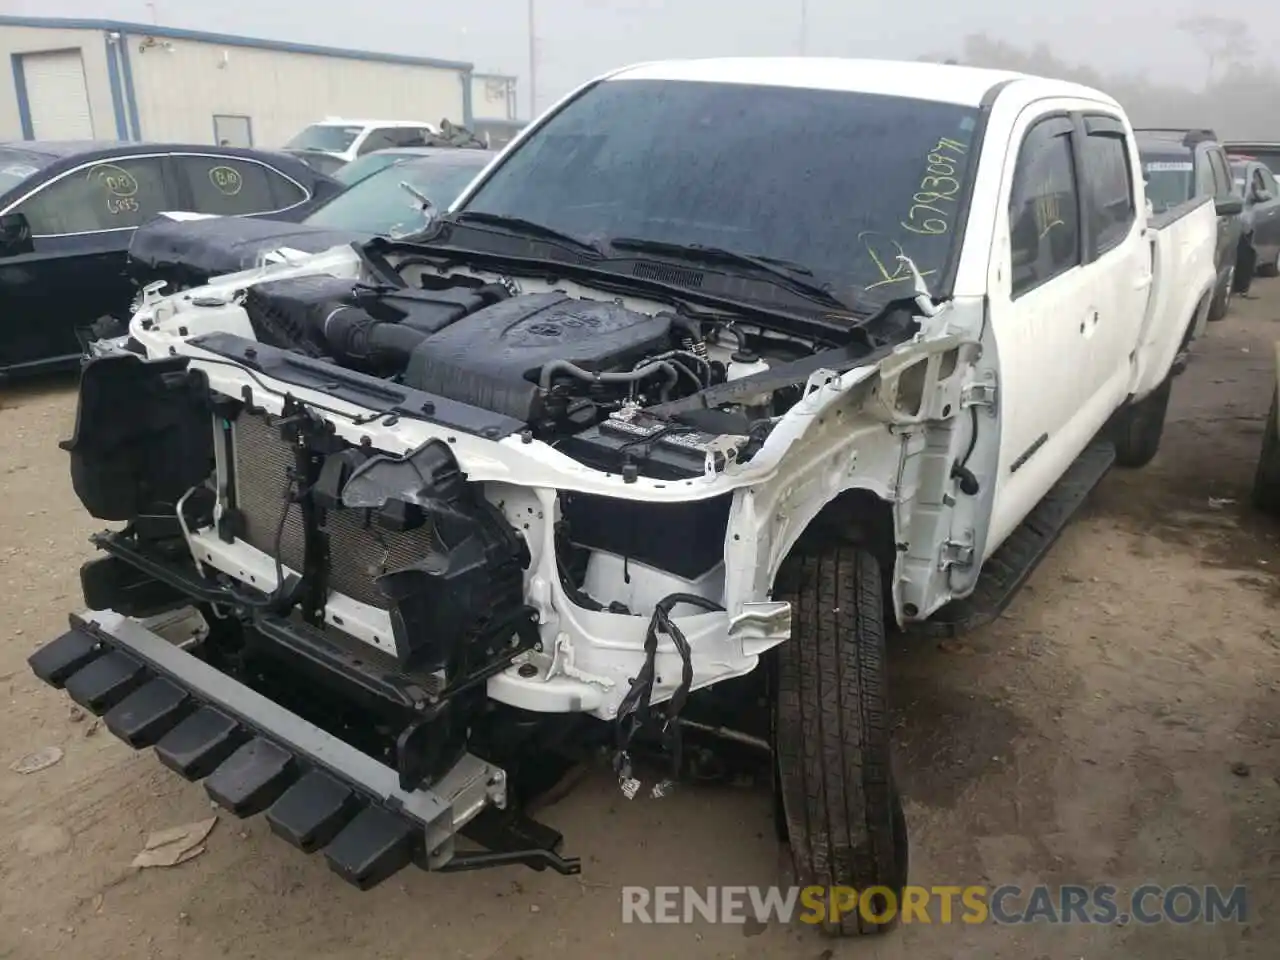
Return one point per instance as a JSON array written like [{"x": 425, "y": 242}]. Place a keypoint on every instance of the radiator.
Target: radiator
[{"x": 359, "y": 551}]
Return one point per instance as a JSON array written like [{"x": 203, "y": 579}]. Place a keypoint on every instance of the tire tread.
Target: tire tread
[{"x": 832, "y": 730}]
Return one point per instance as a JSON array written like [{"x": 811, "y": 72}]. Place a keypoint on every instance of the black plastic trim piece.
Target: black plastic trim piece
[
  {"x": 262, "y": 716},
  {"x": 1028, "y": 453},
  {"x": 382, "y": 397}
]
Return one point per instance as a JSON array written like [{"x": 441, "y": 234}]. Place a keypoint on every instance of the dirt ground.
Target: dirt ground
[{"x": 1118, "y": 726}]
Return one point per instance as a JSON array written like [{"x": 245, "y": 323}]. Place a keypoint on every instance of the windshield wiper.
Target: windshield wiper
[
  {"x": 519, "y": 226},
  {"x": 797, "y": 276}
]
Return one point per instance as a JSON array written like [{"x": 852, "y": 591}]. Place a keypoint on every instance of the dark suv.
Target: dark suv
[{"x": 1182, "y": 165}]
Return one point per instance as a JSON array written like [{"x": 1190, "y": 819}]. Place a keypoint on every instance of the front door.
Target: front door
[
  {"x": 1266, "y": 215},
  {"x": 1229, "y": 226},
  {"x": 81, "y": 224},
  {"x": 55, "y": 289},
  {"x": 1044, "y": 314}
]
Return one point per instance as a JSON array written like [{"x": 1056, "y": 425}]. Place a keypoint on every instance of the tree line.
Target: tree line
[{"x": 1238, "y": 97}]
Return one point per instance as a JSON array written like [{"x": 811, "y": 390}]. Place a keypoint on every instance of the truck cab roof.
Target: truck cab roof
[{"x": 946, "y": 83}]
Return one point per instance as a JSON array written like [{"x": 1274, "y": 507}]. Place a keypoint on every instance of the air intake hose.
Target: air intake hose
[{"x": 355, "y": 337}]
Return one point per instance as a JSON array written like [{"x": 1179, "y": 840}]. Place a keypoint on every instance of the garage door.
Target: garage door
[{"x": 57, "y": 95}]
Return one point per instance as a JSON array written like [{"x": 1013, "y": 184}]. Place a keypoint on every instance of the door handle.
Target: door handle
[{"x": 1087, "y": 324}]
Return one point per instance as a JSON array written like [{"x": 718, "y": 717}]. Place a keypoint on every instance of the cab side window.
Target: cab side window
[
  {"x": 1044, "y": 219},
  {"x": 1109, "y": 205},
  {"x": 115, "y": 194}
]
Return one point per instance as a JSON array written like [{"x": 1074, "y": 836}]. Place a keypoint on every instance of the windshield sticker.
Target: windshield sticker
[
  {"x": 1168, "y": 166},
  {"x": 18, "y": 170},
  {"x": 938, "y": 189},
  {"x": 120, "y": 185},
  {"x": 226, "y": 181}
]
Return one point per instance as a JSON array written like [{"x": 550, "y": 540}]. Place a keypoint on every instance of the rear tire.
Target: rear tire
[
  {"x": 1271, "y": 268},
  {"x": 1220, "y": 306},
  {"x": 839, "y": 804},
  {"x": 1137, "y": 427},
  {"x": 1246, "y": 265},
  {"x": 1266, "y": 480}
]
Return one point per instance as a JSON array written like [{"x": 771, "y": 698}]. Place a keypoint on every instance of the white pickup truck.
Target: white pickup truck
[{"x": 722, "y": 368}]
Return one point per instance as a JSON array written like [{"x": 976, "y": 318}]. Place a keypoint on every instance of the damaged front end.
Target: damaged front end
[
  {"x": 452, "y": 567},
  {"x": 360, "y": 751}
]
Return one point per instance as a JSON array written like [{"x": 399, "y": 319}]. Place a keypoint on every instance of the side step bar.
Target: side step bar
[
  {"x": 318, "y": 792},
  {"x": 1010, "y": 566}
]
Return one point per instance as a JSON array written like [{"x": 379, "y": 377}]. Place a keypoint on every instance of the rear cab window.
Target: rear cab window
[{"x": 1171, "y": 176}]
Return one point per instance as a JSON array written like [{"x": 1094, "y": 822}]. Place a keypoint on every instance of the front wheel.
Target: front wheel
[
  {"x": 1138, "y": 427},
  {"x": 839, "y": 805}
]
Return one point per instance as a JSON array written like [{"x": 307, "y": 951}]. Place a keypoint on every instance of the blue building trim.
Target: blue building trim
[
  {"x": 117, "y": 98},
  {"x": 227, "y": 40},
  {"x": 130, "y": 98},
  {"x": 24, "y": 105},
  {"x": 466, "y": 98}
]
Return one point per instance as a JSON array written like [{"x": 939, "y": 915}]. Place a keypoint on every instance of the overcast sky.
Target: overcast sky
[{"x": 578, "y": 39}]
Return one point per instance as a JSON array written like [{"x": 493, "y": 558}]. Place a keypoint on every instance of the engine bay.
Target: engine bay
[{"x": 668, "y": 393}]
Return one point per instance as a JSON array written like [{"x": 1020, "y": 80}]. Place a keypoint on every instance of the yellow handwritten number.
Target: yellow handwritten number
[
  {"x": 226, "y": 180},
  {"x": 939, "y": 185}
]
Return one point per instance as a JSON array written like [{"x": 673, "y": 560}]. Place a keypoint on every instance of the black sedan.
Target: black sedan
[{"x": 69, "y": 210}]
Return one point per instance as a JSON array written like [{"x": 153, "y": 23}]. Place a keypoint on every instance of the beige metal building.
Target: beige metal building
[{"x": 98, "y": 79}]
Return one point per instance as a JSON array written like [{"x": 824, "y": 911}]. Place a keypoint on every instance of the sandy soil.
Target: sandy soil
[{"x": 1118, "y": 725}]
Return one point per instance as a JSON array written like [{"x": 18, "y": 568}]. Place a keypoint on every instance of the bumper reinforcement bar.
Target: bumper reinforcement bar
[{"x": 317, "y": 791}]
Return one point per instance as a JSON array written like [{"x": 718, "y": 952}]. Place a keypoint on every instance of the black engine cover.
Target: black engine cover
[{"x": 492, "y": 359}]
